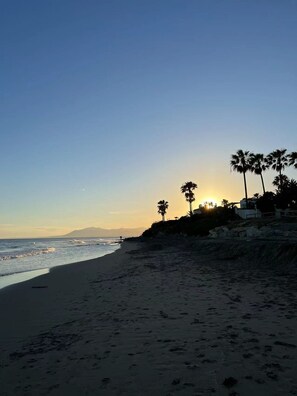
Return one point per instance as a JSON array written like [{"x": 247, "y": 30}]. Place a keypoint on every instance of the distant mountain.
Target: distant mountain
[{"x": 95, "y": 232}]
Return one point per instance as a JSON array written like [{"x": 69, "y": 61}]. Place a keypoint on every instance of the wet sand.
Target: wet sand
[{"x": 168, "y": 316}]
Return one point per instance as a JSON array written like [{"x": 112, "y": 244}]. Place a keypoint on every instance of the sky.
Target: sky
[{"x": 108, "y": 106}]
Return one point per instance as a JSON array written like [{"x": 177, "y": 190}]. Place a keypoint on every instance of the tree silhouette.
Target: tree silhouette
[
  {"x": 293, "y": 159},
  {"x": 208, "y": 205},
  {"x": 240, "y": 163},
  {"x": 187, "y": 189},
  {"x": 278, "y": 160},
  {"x": 225, "y": 203},
  {"x": 162, "y": 208},
  {"x": 286, "y": 197},
  {"x": 258, "y": 165},
  {"x": 291, "y": 194},
  {"x": 280, "y": 182}
]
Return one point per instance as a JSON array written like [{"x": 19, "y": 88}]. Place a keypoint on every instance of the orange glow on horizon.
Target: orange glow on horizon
[{"x": 210, "y": 203}]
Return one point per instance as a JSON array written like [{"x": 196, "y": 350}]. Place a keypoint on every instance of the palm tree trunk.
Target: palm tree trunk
[
  {"x": 281, "y": 180},
  {"x": 262, "y": 183},
  {"x": 245, "y": 189},
  {"x": 191, "y": 212},
  {"x": 163, "y": 217}
]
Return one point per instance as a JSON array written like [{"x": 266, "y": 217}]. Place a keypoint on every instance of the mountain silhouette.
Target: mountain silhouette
[{"x": 94, "y": 232}]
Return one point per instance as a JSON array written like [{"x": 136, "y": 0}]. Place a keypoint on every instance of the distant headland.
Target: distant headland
[{"x": 95, "y": 232}]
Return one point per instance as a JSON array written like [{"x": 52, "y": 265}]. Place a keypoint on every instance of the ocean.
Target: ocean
[{"x": 22, "y": 259}]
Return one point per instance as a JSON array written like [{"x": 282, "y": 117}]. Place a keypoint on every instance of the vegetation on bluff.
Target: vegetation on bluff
[
  {"x": 278, "y": 160},
  {"x": 162, "y": 208},
  {"x": 197, "y": 224},
  {"x": 210, "y": 215},
  {"x": 285, "y": 195},
  {"x": 188, "y": 189}
]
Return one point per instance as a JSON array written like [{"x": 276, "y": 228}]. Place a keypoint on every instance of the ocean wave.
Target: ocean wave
[
  {"x": 81, "y": 243},
  {"x": 28, "y": 254},
  {"x": 78, "y": 242}
]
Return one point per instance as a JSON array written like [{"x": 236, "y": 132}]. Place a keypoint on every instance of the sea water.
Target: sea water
[{"x": 22, "y": 259}]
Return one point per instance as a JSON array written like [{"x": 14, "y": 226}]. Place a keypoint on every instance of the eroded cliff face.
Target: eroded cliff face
[
  {"x": 252, "y": 244},
  {"x": 272, "y": 230},
  {"x": 234, "y": 253}
]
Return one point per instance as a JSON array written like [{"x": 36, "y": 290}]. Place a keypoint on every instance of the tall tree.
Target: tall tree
[
  {"x": 293, "y": 159},
  {"x": 162, "y": 208},
  {"x": 258, "y": 165},
  {"x": 187, "y": 189},
  {"x": 278, "y": 160},
  {"x": 240, "y": 163}
]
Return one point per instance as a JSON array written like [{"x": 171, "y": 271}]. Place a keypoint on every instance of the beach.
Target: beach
[{"x": 163, "y": 316}]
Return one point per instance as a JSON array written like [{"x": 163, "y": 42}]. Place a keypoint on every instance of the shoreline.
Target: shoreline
[
  {"x": 43, "y": 272},
  {"x": 169, "y": 316},
  {"x": 19, "y": 277},
  {"x": 10, "y": 279}
]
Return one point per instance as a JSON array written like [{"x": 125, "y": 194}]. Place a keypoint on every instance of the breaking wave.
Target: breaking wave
[
  {"x": 27, "y": 254},
  {"x": 81, "y": 243}
]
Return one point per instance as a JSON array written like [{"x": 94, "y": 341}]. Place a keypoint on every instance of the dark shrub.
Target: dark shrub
[{"x": 199, "y": 224}]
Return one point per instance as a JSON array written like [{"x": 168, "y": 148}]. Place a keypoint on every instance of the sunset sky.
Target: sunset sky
[{"x": 108, "y": 106}]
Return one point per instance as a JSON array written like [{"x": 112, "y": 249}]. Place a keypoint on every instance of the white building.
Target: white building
[{"x": 248, "y": 210}]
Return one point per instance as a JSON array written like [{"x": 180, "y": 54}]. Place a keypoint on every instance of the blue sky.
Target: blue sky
[{"x": 109, "y": 106}]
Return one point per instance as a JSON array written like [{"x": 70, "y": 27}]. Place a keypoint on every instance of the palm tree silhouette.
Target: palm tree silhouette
[
  {"x": 281, "y": 181},
  {"x": 258, "y": 165},
  {"x": 187, "y": 189},
  {"x": 162, "y": 208},
  {"x": 240, "y": 163},
  {"x": 293, "y": 159},
  {"x": 278, "y": 160}
]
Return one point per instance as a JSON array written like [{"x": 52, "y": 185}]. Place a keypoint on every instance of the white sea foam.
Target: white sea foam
[
  {"x": 78, "y": 242},
  {"x": 95, "y": 242},
  {"x": 18, "y": 256},
  {"x": 27, "y": 254}
]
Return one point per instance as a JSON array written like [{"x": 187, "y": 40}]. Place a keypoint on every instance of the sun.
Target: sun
[{"x": 209, "y": 203}]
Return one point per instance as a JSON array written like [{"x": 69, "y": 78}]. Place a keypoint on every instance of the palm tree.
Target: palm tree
[
  {"x": 187, "y": 189},
  {"x": 278, "y": 160},
  {"x": 258, "y": 165},
  {"x": 240, "y": 163},
  {"x": 162, "y": 208},
  {"x": 281, "y": 181},
  {"x": 293, "y": 159}
]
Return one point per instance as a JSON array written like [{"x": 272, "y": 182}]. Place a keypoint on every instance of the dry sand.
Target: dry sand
[{"x": 163, "y": 317}]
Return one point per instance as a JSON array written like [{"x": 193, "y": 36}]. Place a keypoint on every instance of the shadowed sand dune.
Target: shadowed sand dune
[{"x": 172, "y": 316}]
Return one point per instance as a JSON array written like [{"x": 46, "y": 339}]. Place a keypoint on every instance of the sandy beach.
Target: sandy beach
[{"x": 169, "y": 316}]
